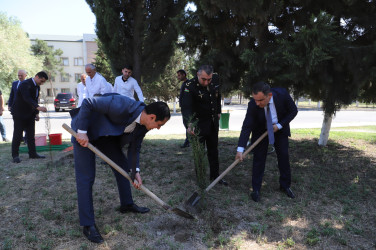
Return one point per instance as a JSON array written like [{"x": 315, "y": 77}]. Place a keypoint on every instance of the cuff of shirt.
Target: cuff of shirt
[
  {"x": 240, "y": 149},
  {"x": 81, "y": 131},
  {"x": 279, "y": 126}
]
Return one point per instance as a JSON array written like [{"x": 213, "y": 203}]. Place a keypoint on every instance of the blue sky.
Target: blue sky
[{"x": 52, "y": 17}]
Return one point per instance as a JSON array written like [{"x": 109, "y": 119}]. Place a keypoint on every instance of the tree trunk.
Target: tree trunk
[
  {"x": 326, "y": 124},
  {"x": 137, "y": 42}
]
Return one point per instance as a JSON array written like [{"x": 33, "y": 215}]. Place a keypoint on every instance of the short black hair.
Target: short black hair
[
  {"x": 182, "y": 71},
  {"x": 42, "y": 74},
  {"x": 128, "y": 67},
  {"x": 160, "y": 109},
  {"x": 207, "y": 68},
  {"x": 261, "y": 87}
]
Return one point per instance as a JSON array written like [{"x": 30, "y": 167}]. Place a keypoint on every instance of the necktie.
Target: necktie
[{"x": 269, "y": 125}]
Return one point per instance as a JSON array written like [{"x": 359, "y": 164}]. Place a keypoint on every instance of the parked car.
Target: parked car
[
  {"x": 64, "y": 101},
  {"x": 226, "y": 101}
]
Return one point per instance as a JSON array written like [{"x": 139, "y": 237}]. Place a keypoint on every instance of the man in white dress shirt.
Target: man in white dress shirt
[
  {"x": 81, "y": 90},
  {"x": 126, "y": 85},
  {"x": 96, "y": 84}
]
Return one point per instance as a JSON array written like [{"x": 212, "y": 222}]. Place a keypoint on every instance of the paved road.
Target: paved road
[{"x": 304, "y": 119}]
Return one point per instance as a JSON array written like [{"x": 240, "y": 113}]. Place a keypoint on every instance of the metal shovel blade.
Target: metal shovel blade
[
  {"x": 182, "y": 213},
  {"x": 193, "y": 200}
]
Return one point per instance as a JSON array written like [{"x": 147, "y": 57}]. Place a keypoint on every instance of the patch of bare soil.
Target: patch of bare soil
[{"x": 334, "y": 206}]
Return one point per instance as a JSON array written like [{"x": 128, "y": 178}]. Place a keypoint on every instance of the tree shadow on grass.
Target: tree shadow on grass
[{"x": 334, "y": 205}]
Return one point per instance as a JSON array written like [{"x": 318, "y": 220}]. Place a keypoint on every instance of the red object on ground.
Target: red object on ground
[
  {"x": 55, "y": 139},
  {"x": 68, "y": 149}
]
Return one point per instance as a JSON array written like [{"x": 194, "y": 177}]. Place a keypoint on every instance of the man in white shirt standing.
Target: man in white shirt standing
[
  {"x": 96, "y": 84},
  {"x": 126, "y": 85},
  {"x": 109, "y": 87},
  {"x": 81, "y": 90}
]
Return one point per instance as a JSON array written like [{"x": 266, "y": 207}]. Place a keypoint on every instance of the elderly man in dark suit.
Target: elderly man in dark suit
[
  {"x": 278, "y": 103},
  {"x": 25, "y": 111},
  {"x": 110, "y": 122},
  {"x": 13, "y": 92}
]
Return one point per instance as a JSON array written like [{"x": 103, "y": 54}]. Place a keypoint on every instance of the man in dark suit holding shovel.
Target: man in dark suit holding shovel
[
  {"x": 110, "y": 122},
  {"x": 273, "y": 109}
]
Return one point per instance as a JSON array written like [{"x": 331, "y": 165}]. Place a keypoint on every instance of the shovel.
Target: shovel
[
  {"x": 195, "y": 198},
  {"x": 125, "y": 174}
]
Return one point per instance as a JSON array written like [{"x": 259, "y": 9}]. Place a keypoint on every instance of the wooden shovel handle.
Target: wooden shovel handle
[
  {"x": 119, "y": 169},
  {"x": 236, "y": 162}
]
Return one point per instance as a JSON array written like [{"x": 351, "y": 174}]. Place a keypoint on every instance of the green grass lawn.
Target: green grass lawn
[{"x": 334, "y": 206}]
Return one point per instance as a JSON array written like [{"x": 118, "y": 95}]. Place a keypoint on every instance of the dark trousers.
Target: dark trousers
[
  {"x": 210, "y": 138},
  {"x": 281, "y": 146},
  {"x": 186, "y": 142},
  {"x": 84, "y": 162},
  {"x": 20, "y": 125}
]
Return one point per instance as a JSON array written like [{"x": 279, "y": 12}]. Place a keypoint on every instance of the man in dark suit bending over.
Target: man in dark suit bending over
[
  {"x": 110, "y": 122},
  {"x": 25, "y": 111},
  {"x": 278, "y": 103}
]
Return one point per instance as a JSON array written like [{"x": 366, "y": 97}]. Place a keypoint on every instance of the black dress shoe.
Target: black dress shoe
[
  {"x": 185, "y": 145},
  {"x": 288, "y": 192},
  {"x": 255, "y": 196},
  {"x": 134, "y": 209},
  {"x": 37, "y": 156},
  {"x": 16, "y": 159},
  {"x": 92, "y": 234}
]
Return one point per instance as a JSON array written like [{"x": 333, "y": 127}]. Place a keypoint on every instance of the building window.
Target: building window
[
  {"x": 77, "y": 77},
  {"x": 65, "y": 90},
  {"x": 49, "y": 92},
  {"x": 52, "y": 78},
  {"x": 64, "y": 77},
  {"x": 78, "y": 61},
  {"x": 64, "y": 61}
]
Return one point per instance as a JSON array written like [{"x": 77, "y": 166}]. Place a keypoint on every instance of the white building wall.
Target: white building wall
[{"x": 72, "y": 47}]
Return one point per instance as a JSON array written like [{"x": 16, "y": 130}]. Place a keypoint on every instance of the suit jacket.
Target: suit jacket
[
  {"x": 109, "y": 115},
  {"x": 26, "y": 100},
  {"x": 255, "y": 120},
  {"x": 13, "y": 93}
]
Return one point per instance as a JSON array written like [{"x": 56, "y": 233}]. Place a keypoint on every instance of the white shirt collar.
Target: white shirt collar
[
  {"x": 34, "y": 81},
  {"x": 138, "y": 119},
  {"x": 271, "y": 100}
]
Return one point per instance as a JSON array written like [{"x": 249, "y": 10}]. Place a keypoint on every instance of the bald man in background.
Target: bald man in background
[{"x": 22, "y": 74}]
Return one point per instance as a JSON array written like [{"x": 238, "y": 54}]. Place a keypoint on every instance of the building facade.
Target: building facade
[{"x": 77, "y": 52}]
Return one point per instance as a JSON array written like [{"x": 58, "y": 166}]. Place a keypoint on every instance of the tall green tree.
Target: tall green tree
[
  {"x": 50, "y": 58},
  {"x": 322, "y": 49},
  {"x": 102, "y": 63},
  {"x": 14, "y": 53},
  {"x": 137, "y": 32},
  {"x": 330, "y": 56},
  {"x": 167, "y": 86}
]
